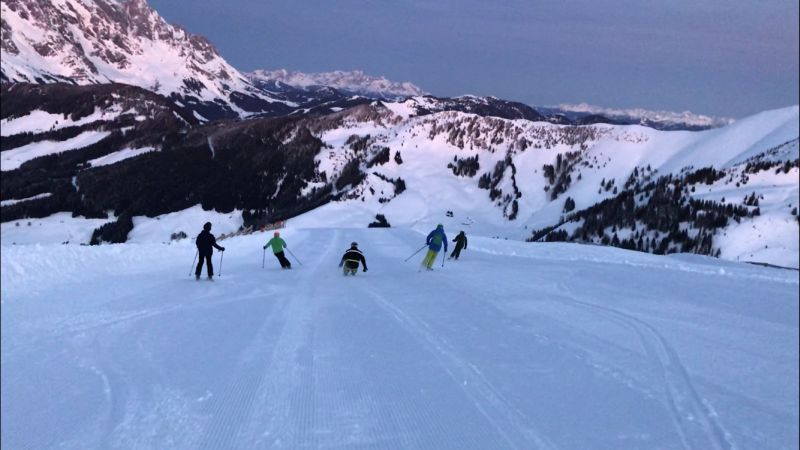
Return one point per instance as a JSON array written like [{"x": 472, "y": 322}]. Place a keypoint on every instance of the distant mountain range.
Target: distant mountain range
[
  {"x": 661, "y": 120},
  {"x": 353, "y": 82},
  {"x": 112, "y": 41},
  {"x": 112, "y": 114}
]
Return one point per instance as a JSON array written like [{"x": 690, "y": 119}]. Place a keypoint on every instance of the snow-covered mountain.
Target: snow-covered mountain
[
  {"x": 482, "y": 106},
  {"x": 126, "y": 41},
  {"x": 733, "y": 190},
  {"x": 105, "y": 41},
  {"x": 523, "y": 179},
  {"x": 319, "y": 92},
  {"x": 662, "y": 120},
  {"x": 351, "y": 82},
  {"x": 83, "y": 142}
]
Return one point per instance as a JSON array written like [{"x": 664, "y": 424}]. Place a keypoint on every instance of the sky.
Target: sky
[{"x": 728, "y": 58}]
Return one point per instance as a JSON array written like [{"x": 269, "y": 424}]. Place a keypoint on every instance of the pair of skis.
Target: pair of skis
[
  {"x": 264, "y": 257},
  {"x": 420, "y": 249},
  {"x": 195, "y": 258}
]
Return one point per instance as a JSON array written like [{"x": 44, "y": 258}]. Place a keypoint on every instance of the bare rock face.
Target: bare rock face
[{"x": 103, "y": 41}]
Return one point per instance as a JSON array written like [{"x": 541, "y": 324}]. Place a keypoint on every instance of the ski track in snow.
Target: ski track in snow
[
  {"x": 462, "y": 357},
  {"x": 512, "y": 425},
  {"x": 693, "y": 419},
  {"x": 515, "y": 428},
  {"x": 232, "y": 406}
]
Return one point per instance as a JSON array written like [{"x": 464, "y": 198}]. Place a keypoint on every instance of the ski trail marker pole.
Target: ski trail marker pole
[
  {"x": 221, "y": 254},
  {"x": 195, "y": 257},
  {"x": 420, "y": 249},
  {"x": 295, "y": 257}
]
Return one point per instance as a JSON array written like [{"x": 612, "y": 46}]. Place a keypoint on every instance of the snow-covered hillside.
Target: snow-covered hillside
[
  {"x": 445, "y": 159},
  {"x": 735, "y": 188},
  {"x": 102, "y": 41},
  {"x": 513, "y": 346}
]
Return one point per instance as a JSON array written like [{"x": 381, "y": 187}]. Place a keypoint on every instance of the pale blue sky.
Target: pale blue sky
[{"x": 720, "y": 57}]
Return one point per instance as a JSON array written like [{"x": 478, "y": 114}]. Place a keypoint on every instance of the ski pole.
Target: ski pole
[
  {"x": 195, "y": 257},
  {"x": 420, "y": 249},
  {"x": 443, "y": 254},
  {"x": 221, "y": 254},
  {"x": 295, "y": 257},
  {"x": 263, "y": 258}
]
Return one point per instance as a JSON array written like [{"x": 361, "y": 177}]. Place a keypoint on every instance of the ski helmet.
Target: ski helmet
[
  {"x": 354, "y": 244},
  {"x": 277, "y": 233},
  {"x": 207, "y": 226}
]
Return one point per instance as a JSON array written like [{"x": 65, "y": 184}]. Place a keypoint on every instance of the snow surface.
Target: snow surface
[
  {"x": 120, "y": 155},
  {"x": 160, "y": 229},
  {"x": 14, "y": 158},
  {"x": 55, "y": 229},
  {"x": 39, "y": 121},
  {"x": 513, "y": 346},
  {"x": 34, "y": 122},
  {"x": 15, "y": 201}
]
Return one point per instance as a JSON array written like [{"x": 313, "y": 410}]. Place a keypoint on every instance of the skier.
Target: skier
[
  {"x": 278, "y": 245},
  {"x": 351, "y": 258},
  {"x": 434, "y": 241},
  {"x": 205, "y": 247},
  {"x": 461, "y": 243}
]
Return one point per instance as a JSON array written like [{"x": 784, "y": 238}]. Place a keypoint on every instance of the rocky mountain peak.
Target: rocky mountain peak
[{"x": 102, "y": 41}]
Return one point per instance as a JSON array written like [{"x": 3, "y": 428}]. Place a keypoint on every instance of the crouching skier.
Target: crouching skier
[{"x": 351, "y": 258}]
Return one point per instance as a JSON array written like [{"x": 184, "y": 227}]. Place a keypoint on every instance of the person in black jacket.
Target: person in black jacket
[
  {"x": 461, "y": 243},
  {"x": 205, "y": 247},
  {"x": 351, "y": 258}
]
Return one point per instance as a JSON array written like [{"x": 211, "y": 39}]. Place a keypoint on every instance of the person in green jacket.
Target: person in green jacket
[{"x": 278, "y": 245}]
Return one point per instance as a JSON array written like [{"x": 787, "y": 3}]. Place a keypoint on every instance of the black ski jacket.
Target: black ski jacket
[
  {"x": 353, "y": 255},
  {"x": 461, "y": 240},
  {"x": 205, "y": 240}
]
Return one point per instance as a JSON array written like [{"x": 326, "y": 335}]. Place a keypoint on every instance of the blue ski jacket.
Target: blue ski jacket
[{"x": 436, "y": 238}]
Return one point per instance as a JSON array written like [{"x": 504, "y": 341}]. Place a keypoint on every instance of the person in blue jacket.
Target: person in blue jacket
[{"x": 435, "y": 240}]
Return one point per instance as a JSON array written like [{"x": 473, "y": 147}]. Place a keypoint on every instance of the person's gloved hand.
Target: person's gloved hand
[
  {"x": 265, "y": 247},
  {"x": 365, "y": 269},
  {"x": 223, "y": 249},
  {"x": 340, "y": 264}
]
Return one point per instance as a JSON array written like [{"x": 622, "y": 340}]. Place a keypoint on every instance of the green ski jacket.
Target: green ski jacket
[{"x": 277, "y": 244}]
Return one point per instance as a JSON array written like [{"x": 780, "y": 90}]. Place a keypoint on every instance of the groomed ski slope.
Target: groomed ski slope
[{"x": 551, "y": 346}]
